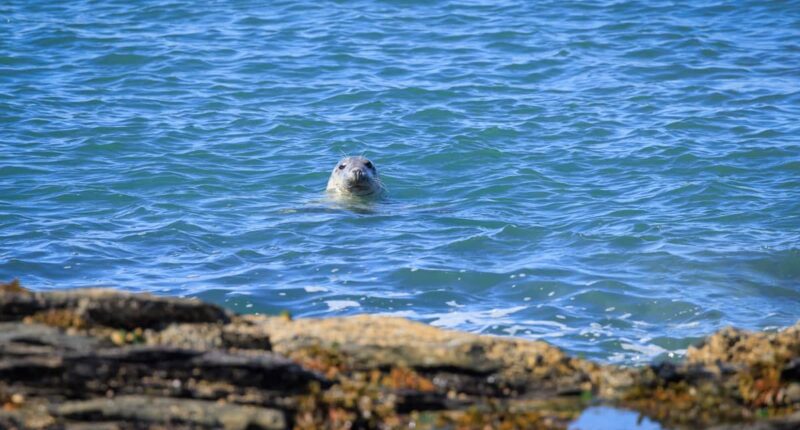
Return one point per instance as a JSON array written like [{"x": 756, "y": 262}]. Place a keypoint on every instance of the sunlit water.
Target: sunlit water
[{"x": 617, "y": 178}]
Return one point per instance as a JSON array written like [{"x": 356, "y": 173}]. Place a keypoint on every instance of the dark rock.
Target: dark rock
[
  {"x": 173, "y": 412},
  {"x": 451, "y": 379},
  {"x": 791, "y": 371},
  {"x": 110, "y": 309},
  {"x": 671, "y": 373},
  {"x": 123, "y": 369},
  {"x": 791, "y": 422},
  {"x": 411, "y": 400},
  {"x": 15, "y": 305},
  {"x": 239, "y": 339},
  {"x": 17, "y": 339},
  {"x": 667, "y": 372}
]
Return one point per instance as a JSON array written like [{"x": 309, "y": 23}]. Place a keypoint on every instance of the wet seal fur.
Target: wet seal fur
[{"x": 355, "y": 177}]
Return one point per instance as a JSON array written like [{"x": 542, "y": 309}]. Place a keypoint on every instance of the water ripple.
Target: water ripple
[{"x": 618, "y": 178}]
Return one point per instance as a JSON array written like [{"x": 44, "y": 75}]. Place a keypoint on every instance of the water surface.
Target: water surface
[{"x": 618, "y": 178}]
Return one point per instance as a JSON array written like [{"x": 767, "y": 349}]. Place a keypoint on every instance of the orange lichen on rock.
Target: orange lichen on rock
[
  {"x": 404, "y": 378},
  {"x": 12, "y": 286},
  {"x": 62, "y": 318}
]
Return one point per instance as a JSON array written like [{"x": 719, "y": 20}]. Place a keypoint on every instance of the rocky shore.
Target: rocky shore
[{"x": 100, "y": 359}]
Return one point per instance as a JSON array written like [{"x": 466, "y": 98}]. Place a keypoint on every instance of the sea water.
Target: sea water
[{"x": 618, "y": 178}]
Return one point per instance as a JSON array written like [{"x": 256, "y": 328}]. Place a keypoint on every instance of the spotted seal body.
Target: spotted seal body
[{"x": 355, "y": 177}]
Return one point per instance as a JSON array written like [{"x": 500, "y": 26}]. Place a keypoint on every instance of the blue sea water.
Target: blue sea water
[{"x": 618, "y": 178}]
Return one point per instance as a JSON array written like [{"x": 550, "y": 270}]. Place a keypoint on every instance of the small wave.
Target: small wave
[{"x": 338, "y": 305}]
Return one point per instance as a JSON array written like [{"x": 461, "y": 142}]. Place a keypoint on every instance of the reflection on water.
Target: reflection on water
[{"x": 608, "y": 418}]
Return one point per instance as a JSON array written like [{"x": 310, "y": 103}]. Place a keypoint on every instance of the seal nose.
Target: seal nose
[{"x": 358, "y": 174}]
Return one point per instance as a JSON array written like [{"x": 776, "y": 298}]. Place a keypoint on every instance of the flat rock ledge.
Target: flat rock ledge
[{"x": 102, "y": 359}]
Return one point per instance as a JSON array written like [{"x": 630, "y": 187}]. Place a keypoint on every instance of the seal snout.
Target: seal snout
[{"x": 355, "y": 176}]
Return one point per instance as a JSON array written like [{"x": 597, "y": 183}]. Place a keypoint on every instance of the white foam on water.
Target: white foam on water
[
  {"x": 546, "y": 329},
  {"x": 391, "y": 294},
  {"x": 496, "y": 313},
  {"x": 337, "y": 305},
  {"x": 314, "y": 289},
  {"x": 514, "y": 329},
  {"x": 688, "y": 324},
  {"x": 648, "y": 351},
  {"x": 597, "y": 330},
  {"x": 483, "y": 318}
]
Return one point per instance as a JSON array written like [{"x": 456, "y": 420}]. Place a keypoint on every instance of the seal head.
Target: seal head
[{"x": 355, "y": 176}]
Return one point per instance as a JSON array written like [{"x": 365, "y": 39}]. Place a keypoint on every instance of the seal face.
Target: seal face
[{"x": 355, "y": 176}]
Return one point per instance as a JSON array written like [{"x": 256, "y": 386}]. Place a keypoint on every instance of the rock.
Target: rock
[
  {"x": 461, "y": 361},
  {"x": 17, "y": 339},
  {"x": 204, "y": 336},
  {"x": 29, "y": 417},
  {"x": 738, "y": 347},
  {"x": 104, "y": 359},
  {"x": 791, "y": 422},
  {"x": 792, "y": 392},
  {"x": 791, "y": 371},
  {"x": 107, "y": 308},
  {"x": 146, "y": 410},
  {"x": 121, "y": 370}
]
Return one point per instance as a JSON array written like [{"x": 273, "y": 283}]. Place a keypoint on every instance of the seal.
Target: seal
[{"x": 355, "y": 177}]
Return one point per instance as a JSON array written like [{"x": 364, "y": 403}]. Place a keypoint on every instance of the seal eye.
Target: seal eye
[
  {"x": 341, "y": 167},
  {"x": 369, "y": 165}
]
